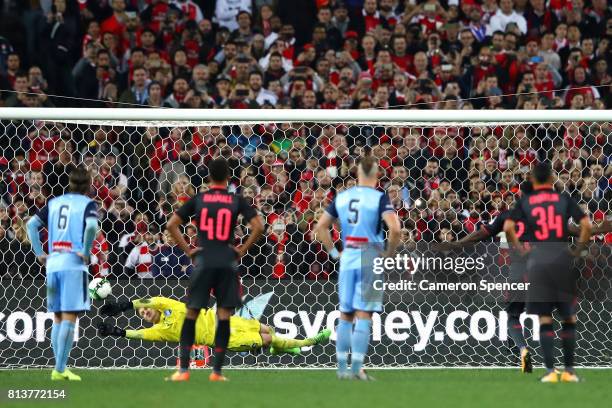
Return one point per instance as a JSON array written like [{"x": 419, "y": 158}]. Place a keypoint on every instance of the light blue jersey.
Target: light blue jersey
[
  {"x": 68, "y": 219},
  {"x": 64, "y": 217},
  {"x": 359, "y": 211}
]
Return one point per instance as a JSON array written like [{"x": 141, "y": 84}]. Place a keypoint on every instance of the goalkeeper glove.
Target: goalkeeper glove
[
  {"x": 113, "y": 309},
  {"x": 108, "y": 329}
]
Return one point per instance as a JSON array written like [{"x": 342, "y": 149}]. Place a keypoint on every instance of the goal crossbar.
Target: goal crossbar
[{"x": 304, "y": 115}]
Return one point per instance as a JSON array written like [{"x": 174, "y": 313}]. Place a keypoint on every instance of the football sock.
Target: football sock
[
  {"x": 568, "y": 341},
  {"x": 55, "y": 330},
  {"x": 221, "y": 339},
  {"x": 360, "y": 343},
  {"x": 344, "y": 332},
  {"x": 187, "y": 339},
  {"x": 515, "y": 330},
  {"x": 547, "y": 342},
  {"x": 64, "y": 344}
]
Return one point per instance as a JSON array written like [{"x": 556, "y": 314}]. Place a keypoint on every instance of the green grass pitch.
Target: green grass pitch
[{"x": 428, "y": 388}]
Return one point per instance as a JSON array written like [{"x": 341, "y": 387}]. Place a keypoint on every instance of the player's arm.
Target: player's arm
[
  {"x": 585, "y": 233},
  {"x": 595, "y": 230},
  {"x": 510, "y": 226},
  {"x": 323, "y": 235},
  {"x": 157, "y": 303},
  {"x": 154, "y": 333},
  {"x": 391, "y": 219},
  {"x": 91, "y": 230},
  {"x": 476, "y": 236},
  {"x": 180, "y": 217},
  {"x": 394, "y": 232},
  {"x": 32, "y": 228},
  {"x": 256, "y": 228},
  {"x": 584, "y": 224},
  {"x": 510, "y": 230},
  {"x": 604, "y": 228},
  {"x": 255, "y": 224}
]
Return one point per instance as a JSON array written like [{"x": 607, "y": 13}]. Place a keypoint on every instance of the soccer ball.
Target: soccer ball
[
  {"x": 99, "y": 288},
  {"x": 420, "y": 204}
]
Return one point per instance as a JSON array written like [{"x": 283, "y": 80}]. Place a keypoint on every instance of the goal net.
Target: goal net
[{"x": 445, "y": 176}]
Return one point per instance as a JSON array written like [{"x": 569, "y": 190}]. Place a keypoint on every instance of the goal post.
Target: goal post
[{"x": 446, "y": 174}]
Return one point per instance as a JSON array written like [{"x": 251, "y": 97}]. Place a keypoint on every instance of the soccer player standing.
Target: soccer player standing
[
  {"x": 546, "y": 213},
  {"x": 72, "y": 222},
  {"x": 359, "y": 211},
  {"x": 215, "y": 212},
  {"x": 515, "y": 302}
]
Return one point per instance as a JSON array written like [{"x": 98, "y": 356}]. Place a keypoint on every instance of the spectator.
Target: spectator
[
  {"x": 140, "y": 259},
  {"x": 6, "y": 253},
  {"x": 504, "y": 16},
  {"x": 227, "y": 11},
  {"x": 138, "y": 94},
  {"x": 13, "y": 66},
  {"x": 20, "y": 87},
  {"x": 258, "y": 93},
  {"x": 579, "y": 85},
  {"x": 22, "y": 253},
  {"x": 92, "y": 77},
  {"x": 315, "y": 55},
  {"x": 154, "y": 95},
  {"x": 169, "y": 260}
]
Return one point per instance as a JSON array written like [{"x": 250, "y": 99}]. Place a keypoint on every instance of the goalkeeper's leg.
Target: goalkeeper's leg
[{"x": 284, "y": 345}]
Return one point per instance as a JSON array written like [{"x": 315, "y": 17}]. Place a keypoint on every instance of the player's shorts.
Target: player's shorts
[
  {"x": 244, "y": 334},
  {"x": 224, "y": 283},
  {"x": 67, "y": 291},
  {"x": 565, "y": 309},
  {"x": 357, "y": 294},
  {"x": 552, "y": 283}
]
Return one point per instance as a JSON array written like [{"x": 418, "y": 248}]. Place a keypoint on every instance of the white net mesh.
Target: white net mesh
[{"x": 443, "y": 179}]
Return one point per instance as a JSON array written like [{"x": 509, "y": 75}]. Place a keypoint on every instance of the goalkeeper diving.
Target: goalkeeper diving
[{"x": 167, "y": 316}]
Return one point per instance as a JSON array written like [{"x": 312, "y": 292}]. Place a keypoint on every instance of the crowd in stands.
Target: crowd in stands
[
  {"x": 444, "y": 181},
  {"x": 330, "y": 54}
]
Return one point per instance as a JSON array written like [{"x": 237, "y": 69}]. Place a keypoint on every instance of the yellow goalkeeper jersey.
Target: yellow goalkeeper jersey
[{"x": 172, "y": 314}]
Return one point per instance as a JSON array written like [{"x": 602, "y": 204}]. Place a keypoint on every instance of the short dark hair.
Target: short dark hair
[
  {"x": 219, "y": 169},
  {"x": 102, "y": 51},
  {"x": 541, "y": 172},
  {"x": 241, "y": 12},
  {"x": 79, "y": 180},
  {"x": 256, "y": 72},
  {"x": 367, "y": 163}
]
